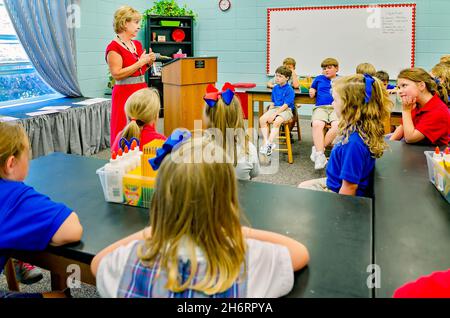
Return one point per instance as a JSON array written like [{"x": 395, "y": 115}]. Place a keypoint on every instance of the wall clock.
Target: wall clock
[{"x": 224, "y": 5}]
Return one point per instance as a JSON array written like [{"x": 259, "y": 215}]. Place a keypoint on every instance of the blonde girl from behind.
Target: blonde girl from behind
[
  {"x": 196, "y": 246},
  {"x": 225, "y": 121},
  {"x": 142, "y": 110},
  {"x": 362, "y": 104}
]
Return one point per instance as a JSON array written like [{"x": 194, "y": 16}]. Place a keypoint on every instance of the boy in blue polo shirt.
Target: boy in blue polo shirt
[
  {"x": 280, "y": 110},
  {"x": 290, "y": 63},
  {"x": 28, "y": 220},
  {"x": 323, "y": 113}
]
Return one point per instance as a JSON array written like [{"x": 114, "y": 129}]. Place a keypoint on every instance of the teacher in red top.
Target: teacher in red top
[{"x": 127, "y": 62}]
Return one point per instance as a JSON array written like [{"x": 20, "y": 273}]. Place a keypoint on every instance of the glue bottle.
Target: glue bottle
[
  {"x": 447, "y": 159},
  {"x": 135, "y": 154},
  {"x": 437, "y": 156},
  {"x": 127, "y": 161},
  {"x": 438, "y": 161},
  {"x": 113, "y": 179}
]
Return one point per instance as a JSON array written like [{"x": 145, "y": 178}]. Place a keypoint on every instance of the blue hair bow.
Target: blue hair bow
[
  {"x": 127, "y": 143},
  {"x": 212, "y": 94},
  {"x": 369, "y": 80},
  {"x": 437, "y": 81},
  {"x": 173, "y": 142}
]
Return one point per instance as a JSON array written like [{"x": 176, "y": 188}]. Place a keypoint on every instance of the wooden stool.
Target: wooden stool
[
  {"x": 285, "y": 136},
  {"x": 296, "y": 127},
  {"x": 10, "y": 274}
]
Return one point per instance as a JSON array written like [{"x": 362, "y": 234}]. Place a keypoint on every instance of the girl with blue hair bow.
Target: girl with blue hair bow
[
  {"x": 362, "y": 104},
  {"x": 224, "y": 118}
]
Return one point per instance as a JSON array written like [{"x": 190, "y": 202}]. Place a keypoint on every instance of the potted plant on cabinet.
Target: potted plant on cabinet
[{"x": 169, "y": 8}]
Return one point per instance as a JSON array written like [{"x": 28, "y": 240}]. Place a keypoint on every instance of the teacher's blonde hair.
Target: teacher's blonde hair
[{"x": 123, "y": 15}]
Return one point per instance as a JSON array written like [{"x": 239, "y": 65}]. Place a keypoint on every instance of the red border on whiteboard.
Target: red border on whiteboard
[{"x": 362, "y": 6}]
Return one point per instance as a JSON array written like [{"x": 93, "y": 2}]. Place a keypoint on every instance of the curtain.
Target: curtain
[{"x": 49, "y": 40}]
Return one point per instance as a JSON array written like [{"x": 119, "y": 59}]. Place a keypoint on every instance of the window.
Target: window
[{"x": 19, "y": 81}]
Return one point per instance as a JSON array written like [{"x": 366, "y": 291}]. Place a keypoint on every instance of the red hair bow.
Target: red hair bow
[{"x": 212, "y": 94}]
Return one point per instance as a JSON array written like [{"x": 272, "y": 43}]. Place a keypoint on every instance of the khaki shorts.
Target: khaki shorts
[
  {"x": 286, "y": 115},
  {"x": 315, "y": 184},
  {"x": 324, "y": 113}
]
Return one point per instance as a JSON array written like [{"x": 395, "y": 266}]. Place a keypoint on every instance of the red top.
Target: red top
[
  {"x": 148, "y": 134},
  {"x": 128, "y": 58},
  {"x": 436, "y": 285},
  {"x": 433, "y": 120}
]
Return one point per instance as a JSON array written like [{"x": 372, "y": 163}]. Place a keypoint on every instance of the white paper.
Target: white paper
[
  {"x": 55, "y": 108},
  {"x": 91, "y": 101},
  {"x": 43, "y": 112},
  {"x": 7, "y": 118}
]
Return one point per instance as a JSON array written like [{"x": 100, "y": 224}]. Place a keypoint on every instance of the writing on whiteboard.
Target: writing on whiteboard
[{"x": 287, "y": 29}]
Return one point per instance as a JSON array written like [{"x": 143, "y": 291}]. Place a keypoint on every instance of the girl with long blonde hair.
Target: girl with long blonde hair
[
  {"x": 362, "y": 104},
  {"x": 195, "y": 245},
  {"x": 425, "y": 116},
  {"x": 225, "y": 121},
  {"x": 142, "y": 110}
]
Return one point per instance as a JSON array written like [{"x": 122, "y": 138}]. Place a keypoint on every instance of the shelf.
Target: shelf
[
  {"x": 169, "y": 27},
  {"x": 171, "y": 43},
  {"x": 169, "y": 47},
  {"x": 161, "y": 17}
]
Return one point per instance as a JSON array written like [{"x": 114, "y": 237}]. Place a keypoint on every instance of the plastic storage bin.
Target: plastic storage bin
[
  {"x": 111, "y": 195},
  {"x": 438, "y": 175},
  {"x": 135, "y": 189}
]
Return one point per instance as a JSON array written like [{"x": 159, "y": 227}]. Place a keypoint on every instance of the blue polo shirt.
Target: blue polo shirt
[
  {"x": 322, "y": 85},
  {"x": 28, "y": 219},
  {"x": 283, "y": 95},
  {"x": 352, "y": 162}
]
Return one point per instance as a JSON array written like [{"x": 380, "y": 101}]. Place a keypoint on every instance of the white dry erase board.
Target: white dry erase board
[{"x": 383, "y": 35}]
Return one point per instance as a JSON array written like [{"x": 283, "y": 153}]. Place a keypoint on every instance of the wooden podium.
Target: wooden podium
[{"x": 185, "y": 82}]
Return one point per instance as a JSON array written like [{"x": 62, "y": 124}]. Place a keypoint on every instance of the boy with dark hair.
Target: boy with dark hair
[{"x": 280, "y": 110}]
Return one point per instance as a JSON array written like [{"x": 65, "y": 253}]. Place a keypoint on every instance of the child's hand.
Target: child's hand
[
  {"x": 274, "y": 116},
  {"x": 294, "y": 74},
  {"x": 392, "y": 91},
  {"x": 408, "y": 103},
  {"x": 312, "y": 92}
]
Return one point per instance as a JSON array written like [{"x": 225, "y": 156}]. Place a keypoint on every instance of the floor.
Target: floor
[{"x": 288, "y": 174}]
